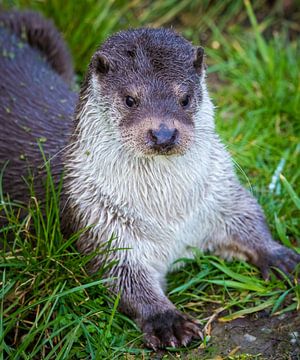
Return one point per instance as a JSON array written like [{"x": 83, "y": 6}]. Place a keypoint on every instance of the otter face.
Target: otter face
[{"x": 149, "y": 81}]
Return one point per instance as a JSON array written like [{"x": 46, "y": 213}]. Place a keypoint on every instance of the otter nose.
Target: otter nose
[{"x": 164, "y": 138}]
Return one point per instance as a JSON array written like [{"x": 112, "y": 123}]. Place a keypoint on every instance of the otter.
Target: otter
[
  {"x": 36, "y": 103},
  {"x": 145, "y": 164}
]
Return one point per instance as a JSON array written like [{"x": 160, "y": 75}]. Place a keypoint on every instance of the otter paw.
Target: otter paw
[
  {"x": 281, "y": 258},
  {"x": 171, "y": 328}
]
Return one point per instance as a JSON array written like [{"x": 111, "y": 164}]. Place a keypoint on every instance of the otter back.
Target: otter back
[{"x": 36, "y": 103}]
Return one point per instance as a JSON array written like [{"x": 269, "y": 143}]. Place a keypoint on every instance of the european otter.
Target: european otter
[{"x": 145, "y": 164}]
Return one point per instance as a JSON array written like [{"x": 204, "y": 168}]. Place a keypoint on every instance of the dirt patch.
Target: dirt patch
[{"x": 264, "y": 337}]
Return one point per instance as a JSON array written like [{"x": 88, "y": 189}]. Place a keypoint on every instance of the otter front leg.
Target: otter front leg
[
  {"x": 143, "y": 299},
  {"x": 247, "y": 236}
]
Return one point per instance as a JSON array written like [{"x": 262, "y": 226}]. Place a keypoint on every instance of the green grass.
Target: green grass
[
  {"x": 50, "y": 308},
  {"x": 85, "y": 24}
]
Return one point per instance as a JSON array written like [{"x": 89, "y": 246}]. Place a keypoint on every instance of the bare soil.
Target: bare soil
[
  {"x": 258, "y": 337},
  {"x": 261, "y": 335}
]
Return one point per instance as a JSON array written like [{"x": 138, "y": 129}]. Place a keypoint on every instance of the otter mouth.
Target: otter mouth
[
  {"x": 165, "y": 151},
  {"x": 169, "y": 149}
]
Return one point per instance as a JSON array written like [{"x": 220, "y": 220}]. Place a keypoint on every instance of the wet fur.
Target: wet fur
[
  {"x": 157, "y": 206},
  {"x": 42, "y": 35},
  {"x": 36, "y": 103}
]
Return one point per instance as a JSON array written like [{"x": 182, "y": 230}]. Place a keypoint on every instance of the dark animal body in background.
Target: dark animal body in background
[
  {"x": 144, "y": 163},
  {"x": 36, "y": 103}
]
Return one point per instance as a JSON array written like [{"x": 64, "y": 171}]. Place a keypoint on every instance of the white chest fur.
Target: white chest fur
[{"x": 156, "y": 206}]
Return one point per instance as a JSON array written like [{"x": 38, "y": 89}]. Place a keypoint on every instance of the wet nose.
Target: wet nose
[{"x": 163, "y": 138}]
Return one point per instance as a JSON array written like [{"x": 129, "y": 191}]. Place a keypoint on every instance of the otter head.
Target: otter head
[{"x": 147, "y": 81}]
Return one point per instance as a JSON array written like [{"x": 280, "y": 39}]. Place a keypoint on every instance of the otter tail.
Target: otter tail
[{"x": 42, "y": 35}]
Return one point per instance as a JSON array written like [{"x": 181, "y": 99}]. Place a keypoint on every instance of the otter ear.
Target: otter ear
[
  {"x": 100, "y": 63},
  {"x": 198, "y": 60}
]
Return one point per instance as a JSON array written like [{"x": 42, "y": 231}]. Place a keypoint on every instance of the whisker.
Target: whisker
[
  {"x": 68, "y": 146},
  {"x": 243, "y": 173}
]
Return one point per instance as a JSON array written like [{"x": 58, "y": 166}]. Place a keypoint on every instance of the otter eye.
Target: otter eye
[
  {"x": 184, "y": 102},
  {"x": 130, "y": 101}
]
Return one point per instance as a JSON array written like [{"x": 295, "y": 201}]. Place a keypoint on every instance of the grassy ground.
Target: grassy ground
[{"x": 49, "y": 307}]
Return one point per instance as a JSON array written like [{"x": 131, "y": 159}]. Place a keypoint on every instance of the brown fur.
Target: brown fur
[
  {"x": 41, "y": 34},
  {"x": 122, "y": 181},
  {"x": 36, "y": 103},
  {"x": 157, "y": 203}
]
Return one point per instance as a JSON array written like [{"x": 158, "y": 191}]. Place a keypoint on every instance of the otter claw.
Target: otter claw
[
  {"x": 284, "y": 259},
  {"x": 170, "y": 329},
  {"x": 200, "y": 334}
]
